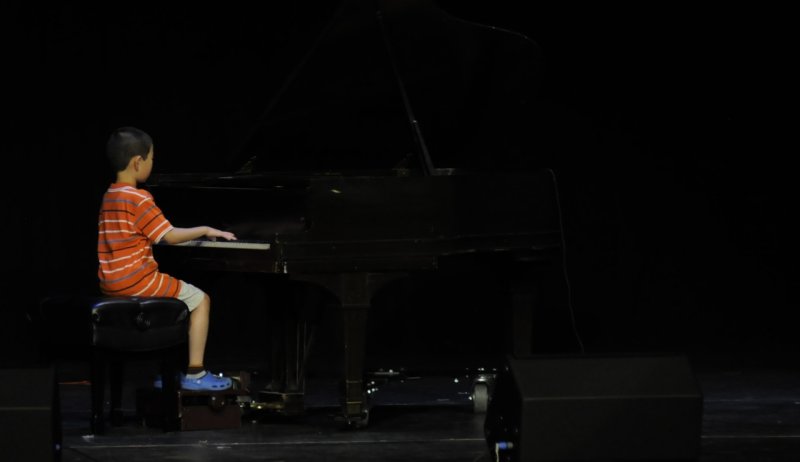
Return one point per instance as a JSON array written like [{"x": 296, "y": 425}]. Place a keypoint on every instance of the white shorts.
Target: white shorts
[{"x": 190, "y": 295}]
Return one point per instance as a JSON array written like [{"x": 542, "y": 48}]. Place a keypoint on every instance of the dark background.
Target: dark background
[{"x": 665, "y": 125}]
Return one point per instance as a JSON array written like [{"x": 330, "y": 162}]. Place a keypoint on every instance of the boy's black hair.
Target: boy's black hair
[{"x": 125, "y": 143}]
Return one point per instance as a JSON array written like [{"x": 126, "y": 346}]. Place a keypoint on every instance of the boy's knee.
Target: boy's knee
[{"x": 204, "y": 305}]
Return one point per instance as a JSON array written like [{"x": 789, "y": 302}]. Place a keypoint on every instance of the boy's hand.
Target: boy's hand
[{"x": 214, "y": 233}]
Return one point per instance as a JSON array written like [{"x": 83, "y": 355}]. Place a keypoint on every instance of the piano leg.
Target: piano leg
[
  {"x": 540, "y": 321},
  {"x": 354, "y": 292},
  {"x": 355, "y": 405}
]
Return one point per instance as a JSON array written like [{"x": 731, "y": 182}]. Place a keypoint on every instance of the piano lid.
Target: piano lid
[{"x": 385, "y": 80}]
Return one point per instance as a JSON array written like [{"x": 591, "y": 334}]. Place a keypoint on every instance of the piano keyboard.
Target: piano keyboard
[{"x": 223, "y": 244}]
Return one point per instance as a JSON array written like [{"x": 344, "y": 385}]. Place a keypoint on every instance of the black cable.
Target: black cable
[{"x": 564, "y": 263}]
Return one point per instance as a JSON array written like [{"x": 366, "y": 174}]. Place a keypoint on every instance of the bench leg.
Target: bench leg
[
  {"x": 98, "y": 374},
  {"x": 169, "y": 397},
  {"x": 116, "y": 378}
]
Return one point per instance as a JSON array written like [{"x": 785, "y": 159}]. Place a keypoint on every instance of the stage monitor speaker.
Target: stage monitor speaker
[
  {"x": 591, "y": 408},
  {"x": 30, "y": 417}
]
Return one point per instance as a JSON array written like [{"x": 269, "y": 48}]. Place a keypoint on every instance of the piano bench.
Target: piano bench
[{"x": 135, "y": 328}]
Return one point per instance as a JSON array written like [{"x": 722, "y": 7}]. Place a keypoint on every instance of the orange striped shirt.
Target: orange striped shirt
[{"x": 130, "y": 222}]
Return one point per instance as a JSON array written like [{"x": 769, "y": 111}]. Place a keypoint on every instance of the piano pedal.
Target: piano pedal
[{"x": 280, "y": 403}]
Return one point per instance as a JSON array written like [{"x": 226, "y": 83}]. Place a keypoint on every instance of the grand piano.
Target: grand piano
[{"x": 398, "y": 144}]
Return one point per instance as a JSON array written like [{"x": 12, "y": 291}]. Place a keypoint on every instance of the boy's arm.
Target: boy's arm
[{"x": 179, "y": 235}]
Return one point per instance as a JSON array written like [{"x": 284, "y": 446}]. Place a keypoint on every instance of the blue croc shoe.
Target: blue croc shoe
[{"x": 207, "y": 382}]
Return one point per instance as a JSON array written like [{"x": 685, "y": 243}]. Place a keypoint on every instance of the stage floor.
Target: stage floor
[{"x": 751, "y": 413}]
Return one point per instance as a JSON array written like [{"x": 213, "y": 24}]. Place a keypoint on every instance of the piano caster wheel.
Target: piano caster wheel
[
  {"x": 480, "y": 397},
  {"x": 356, "y": 422}
]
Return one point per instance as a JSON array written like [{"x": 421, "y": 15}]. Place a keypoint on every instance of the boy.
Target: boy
[{"x": 130, "y": 223}]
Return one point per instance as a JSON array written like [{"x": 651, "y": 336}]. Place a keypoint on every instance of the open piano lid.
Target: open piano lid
[{"x": 388, "y": 84}]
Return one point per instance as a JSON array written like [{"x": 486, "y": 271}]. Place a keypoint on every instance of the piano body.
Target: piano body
[{"x": 336, "y": 184}]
